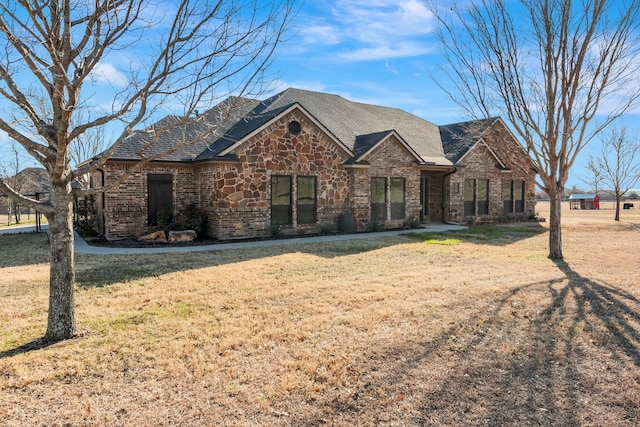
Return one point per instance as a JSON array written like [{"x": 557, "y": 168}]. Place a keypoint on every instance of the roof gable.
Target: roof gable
[
  {"x": 257, "y": 120},
  {"x": 347, "y": 120},
  {"x": 355, "y": 127},
  {"x": 366, "y": 144},
  {"x": 459, "y": 139}
]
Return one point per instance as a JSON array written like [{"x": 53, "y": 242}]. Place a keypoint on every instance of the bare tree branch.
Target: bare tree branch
[
  {"x": 560, "y": 73},
  {"x": 618, "y": 164},
  {"x": 170, "y": 61}
]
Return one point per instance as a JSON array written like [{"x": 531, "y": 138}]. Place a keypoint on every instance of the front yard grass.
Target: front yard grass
[{"x": 380, "y": 331}]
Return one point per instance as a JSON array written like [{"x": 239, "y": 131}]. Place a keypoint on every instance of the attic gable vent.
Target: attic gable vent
[{"x": 295, "y": 128}]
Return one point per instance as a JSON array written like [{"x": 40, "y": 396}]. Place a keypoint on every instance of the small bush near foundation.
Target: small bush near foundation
[
  {"x": 195, "y": 219},
  {"x": 376, "y": 226},
  {"x": 413, "y": 222},
  {"x": 275, "y": 231},
  {"x": 326, "y": 228},
  {"x": 164, "y": 218}
]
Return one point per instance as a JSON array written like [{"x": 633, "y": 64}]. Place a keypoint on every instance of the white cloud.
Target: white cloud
[
  {"x": 379, "y": 21},
  {"x": 106, "y": 74},
  {"x": 385, "y": 51},
  {"x": 391, "y": 69},
  {"x": 371, "y": 30},
  {"x": 322, "y": 33}
]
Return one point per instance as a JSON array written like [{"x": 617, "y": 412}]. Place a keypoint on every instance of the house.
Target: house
[{"x": 303, "y": 160}]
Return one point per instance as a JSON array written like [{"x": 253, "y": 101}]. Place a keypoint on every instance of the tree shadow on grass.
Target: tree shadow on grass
[
  {"x": 570, "y": 360},
  {"x": 103, "y": 270},
  {"x": 496, "y": 235},
  {"x": 37, "y": 344}
]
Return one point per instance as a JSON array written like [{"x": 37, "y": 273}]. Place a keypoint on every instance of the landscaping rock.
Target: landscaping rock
[
  {"x": 157, "y": 236},
  {"x": 182, "y": 236}
]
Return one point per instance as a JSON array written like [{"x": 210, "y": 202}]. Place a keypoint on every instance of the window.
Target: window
[
  {"x": 476, "y": 197},
  {"x": 281, "y": 200},
  {"x": 295, "y": 128},
  {"x": 513, "y": 196},
  {"x": 282, "y": 196},
  {"x": 306, "y": 201},
  {"x": 482, "y": 196},
  {"x": 469, "y": 197},
  {"x": 518, "y": 196},
  {"x": 378, "y": 199},
  {"x": 380, "y": 195},
  {"x": 397, "y": 198},
  {"x": 507, "y": 197}
]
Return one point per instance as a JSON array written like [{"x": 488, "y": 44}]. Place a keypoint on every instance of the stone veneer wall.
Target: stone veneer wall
[{"x": 237, "y": 195}]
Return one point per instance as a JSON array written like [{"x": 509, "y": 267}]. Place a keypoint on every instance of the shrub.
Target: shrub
[
  {"x": 275, "y": 231},
  {"x": 195, "y": 219},
  {"x": 413, "y": 222},
  {"x": 86, "y": 223},
  {"x": 376, "y": 226},
  {"x": 164, "y": 219},
  {"x": 326, "y": 228}
]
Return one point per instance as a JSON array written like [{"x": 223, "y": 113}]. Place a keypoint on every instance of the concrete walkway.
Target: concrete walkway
[
  {"x": 16, "y": 229},
  {"x": 81, "y": 247}
]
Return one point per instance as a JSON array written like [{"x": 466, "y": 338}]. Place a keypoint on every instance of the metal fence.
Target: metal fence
[{"x": 7, "y": 211}]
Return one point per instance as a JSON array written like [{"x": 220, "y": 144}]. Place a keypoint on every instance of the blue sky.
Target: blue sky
[{"x": 381, "y": 52}]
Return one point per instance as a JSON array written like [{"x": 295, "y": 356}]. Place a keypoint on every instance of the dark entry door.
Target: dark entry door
[{"x": 160, "y": 187}]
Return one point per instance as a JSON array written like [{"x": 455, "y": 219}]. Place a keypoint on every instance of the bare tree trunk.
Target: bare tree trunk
[
  {"x": 61, "y": 321},
  {"x": 16, "y": 212},
  {"x": 617, "y": 218},
  {"x": 555, "y": 231}
]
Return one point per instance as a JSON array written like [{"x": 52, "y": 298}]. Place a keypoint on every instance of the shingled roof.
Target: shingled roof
[
  {"x": 459, "y": 138},
  {"x": 185, "y": 138},
  {"x": 357, "y": 126}
]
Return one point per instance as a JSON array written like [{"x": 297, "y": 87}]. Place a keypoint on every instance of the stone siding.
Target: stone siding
[
  {"x": 235, "y": 194},
  {"x": 239, "y": 193}
]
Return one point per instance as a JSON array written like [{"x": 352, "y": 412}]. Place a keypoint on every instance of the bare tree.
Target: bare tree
[
  {"x": 596, "y": 175},
  {"x": 558, "y": 70},
  {"x": 13, "y": 178},
  {"x": 618, "y": 163},
  {"x": 58, "y": 56}
]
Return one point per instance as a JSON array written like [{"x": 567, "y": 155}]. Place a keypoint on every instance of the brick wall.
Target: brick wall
[
  {"x": 389, "y": 160},
  {"x": 480, "y": 163},
  {"x": 124, "y": 207}
]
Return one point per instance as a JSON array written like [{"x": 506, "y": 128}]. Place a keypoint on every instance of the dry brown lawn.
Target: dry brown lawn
[{"x": 477, "y": 328}]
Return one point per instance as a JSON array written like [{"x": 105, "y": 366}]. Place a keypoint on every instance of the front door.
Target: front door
[{"x": 160, "y": 188}]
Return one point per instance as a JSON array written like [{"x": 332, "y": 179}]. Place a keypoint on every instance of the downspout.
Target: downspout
[{"x": 442, "y": 207}]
